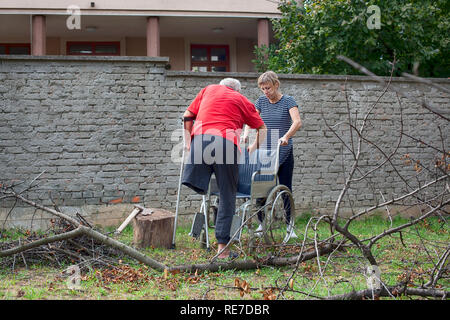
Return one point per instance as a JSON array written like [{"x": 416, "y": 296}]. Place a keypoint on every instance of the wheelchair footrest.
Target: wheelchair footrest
[
  {"x": 197, "y": 225},
  {"x": 236, "y": 228}
]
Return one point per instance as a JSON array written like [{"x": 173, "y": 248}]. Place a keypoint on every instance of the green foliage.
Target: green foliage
[{"x": 311, "y": 36}]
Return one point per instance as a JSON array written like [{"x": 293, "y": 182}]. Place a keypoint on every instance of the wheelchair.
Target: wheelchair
[{"x": 264, "y": 208}]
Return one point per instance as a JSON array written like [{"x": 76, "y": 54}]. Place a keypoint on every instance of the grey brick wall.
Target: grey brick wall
[{"x": 102, "y": 129}]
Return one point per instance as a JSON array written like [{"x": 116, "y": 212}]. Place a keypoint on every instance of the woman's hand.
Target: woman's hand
[{"x": 252, "y": 147}]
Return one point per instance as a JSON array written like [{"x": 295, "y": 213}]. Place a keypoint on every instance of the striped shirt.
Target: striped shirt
[{"x": 278, "y": 121}]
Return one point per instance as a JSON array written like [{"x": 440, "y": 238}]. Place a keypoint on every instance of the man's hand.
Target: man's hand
[
  {"x": 187, "y": 146},
  {"x": 188, "y": 121},
  {"x": 284, "y": 141}
]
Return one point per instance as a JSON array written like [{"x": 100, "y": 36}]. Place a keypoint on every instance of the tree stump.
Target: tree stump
[{"x": 153, "y": 229}]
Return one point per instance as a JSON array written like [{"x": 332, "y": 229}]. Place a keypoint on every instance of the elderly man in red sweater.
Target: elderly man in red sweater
[{"x": 219, "y": 111}]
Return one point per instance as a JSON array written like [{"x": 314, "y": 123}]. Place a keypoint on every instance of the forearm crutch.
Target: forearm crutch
[
  {"x": 178, "y": 201},
  {"x": 187, "y": 126}
]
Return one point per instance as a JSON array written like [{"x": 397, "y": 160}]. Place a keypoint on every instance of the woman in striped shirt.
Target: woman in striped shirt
[{"x": 282, "y": 118}]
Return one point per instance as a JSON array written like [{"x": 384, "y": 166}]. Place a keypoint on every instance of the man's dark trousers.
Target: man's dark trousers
[{"x": 215, "y": 154}]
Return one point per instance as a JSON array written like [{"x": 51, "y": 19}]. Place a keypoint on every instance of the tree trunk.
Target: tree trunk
[{"x": 154, "y": 229}]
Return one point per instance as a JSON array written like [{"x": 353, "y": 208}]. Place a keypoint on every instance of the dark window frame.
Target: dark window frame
[
  {"x": 16, "y": 45},
  {"x": 209, "y": 64},
  {"x": 93, "y": 45}
]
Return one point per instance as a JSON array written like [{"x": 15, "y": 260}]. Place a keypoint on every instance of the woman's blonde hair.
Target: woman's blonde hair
[{"x": 268, "y": 77}]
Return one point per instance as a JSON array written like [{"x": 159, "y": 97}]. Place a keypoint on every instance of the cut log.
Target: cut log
[{"x": 153, "y": 228}]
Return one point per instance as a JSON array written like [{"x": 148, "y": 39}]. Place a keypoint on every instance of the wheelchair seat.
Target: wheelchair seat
[{"x": 254, "y": 166}]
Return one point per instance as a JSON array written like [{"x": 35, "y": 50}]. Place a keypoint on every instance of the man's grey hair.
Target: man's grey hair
[{"x": 231, "y": 83}]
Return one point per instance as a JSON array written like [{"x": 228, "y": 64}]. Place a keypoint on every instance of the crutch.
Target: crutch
[
  {"x": 205, "y": 200},
  {"x": 179, "y": 189}
]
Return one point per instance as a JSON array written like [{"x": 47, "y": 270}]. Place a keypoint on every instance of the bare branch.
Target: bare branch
[
  {"x": 426, "y": 81},
  {"x": 59, "y": 237},
  {"x": 423, "y": 103},
  {"x": 396, "y": 290}
]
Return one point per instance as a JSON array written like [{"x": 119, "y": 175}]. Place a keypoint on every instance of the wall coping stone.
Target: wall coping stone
[
  {"x": 318, "y": 77},
  {"x": 196, "y": 74},
  {"x": 86, "y": 58}
]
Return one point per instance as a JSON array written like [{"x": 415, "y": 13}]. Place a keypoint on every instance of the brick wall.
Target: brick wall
[{"x": 102, "y": 132}]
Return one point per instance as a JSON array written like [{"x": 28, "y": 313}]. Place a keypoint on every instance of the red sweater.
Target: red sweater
[{"x": 222, "y": 111}]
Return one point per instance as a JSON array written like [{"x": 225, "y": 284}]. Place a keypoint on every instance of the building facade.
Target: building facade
[{"x": 213, "y": 35}]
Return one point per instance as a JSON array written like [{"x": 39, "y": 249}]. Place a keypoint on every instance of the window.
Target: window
[
  {"x": 93, "y": 48},
  {"x": 215, "y": 58},
  {"x": 15, "y": 48}
]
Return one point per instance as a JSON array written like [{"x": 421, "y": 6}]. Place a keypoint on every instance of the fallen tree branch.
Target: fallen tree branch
[
  {"x": 411, "y": 223},
  {"x": 397, "y": 290},
  {"x": 212, "y": 266},
  {"x": 81, "y": 229},
  {"x": 133, "y": 253},
  {"x": 61, "y": 215},
  {"x": 59, "y": 237},
  {"x": 254, "y": 264},
  {"x": 124, "y": 248}
]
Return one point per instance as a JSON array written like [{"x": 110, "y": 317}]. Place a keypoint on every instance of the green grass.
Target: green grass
[{"x": 344, "y": 271}]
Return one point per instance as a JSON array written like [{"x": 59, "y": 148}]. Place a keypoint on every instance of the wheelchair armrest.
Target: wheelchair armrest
[{"x": 263, "y": 173}]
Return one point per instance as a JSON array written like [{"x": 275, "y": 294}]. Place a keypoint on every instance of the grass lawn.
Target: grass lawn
[{"x": 412, "y": 254}]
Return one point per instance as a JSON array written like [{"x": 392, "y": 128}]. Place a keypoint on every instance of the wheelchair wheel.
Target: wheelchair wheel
[{"x": 279, "y": 212}]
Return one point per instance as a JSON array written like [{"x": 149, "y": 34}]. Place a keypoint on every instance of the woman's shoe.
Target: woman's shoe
[
  {"x": 290, "y": 233},
  {"x": 259, "y": 231}
]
